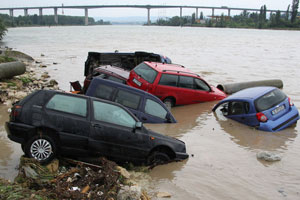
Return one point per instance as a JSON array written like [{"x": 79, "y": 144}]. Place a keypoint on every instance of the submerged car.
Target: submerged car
[
  {"x": 173, "y": 84},
  {"x": 266, "y": 108},
  {"x": 48, "y": 123},
  {"x": 145, "y": 106}
]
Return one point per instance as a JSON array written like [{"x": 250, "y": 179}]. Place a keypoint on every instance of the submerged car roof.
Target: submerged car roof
[
  {"x": 250, "y": 93},
  {"x": 113, "y": 70}
]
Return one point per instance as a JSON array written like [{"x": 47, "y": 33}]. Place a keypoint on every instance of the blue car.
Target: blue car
[
  {"x": 266, "y": 108},
  {"x": 145, "y": 106}
]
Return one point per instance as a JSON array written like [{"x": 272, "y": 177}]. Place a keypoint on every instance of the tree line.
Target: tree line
[
  {"x": 45, "y": 20},
  {"x": 289, "y": 19}
]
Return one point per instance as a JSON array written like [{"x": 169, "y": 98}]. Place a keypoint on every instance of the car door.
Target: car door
[
  {"x": 167, "y": 87},
  {"x": 68, "y": 115},
  {"x": 187, "y": 93},
  {"x": 113, "y": 132},
  {"x": 239, "y": 111},
  {"x": 202, "y": 91}
]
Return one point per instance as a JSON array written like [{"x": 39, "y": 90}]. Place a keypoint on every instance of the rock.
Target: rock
[
  {"x": 20, "y": 95},
  {"x": 43, "y": 66},
  {"x": 268, "y": 156},
  {"x": 54, "y": 63},
  {"x": 132, "y": 193},
  {"x": 163, "y": 195},
  {"x": 53, "y": 166},
  {"x": 123, "y": 172},
  {"x": 53, "y": 82},
  {"x": 42, "y": 55},
  {"x": 29, "y": 172},
  {"x": 45, "y": 75}
]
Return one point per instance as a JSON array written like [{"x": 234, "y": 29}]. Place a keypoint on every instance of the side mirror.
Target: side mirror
[{"x": 138, "y": 125}]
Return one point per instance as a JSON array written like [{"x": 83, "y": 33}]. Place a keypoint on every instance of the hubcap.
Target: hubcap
[{"x": 41, "y": 149}]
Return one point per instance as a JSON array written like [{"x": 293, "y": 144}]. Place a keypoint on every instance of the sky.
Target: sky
[{"x": 127, "y": 12}]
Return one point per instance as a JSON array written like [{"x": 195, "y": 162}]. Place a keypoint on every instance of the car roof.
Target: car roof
[
  {"x": 250, "y": 93},
  {"x": 113, "y": 70},
  {"x": 171, "y": 68}
]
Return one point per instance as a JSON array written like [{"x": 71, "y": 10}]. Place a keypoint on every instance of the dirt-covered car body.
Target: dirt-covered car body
[
  {"x": 266, "y": 108},
  {"x": 108, "y": 72},
  {"x": 48, "y": 123},
  {"x": 125, "y": 61}
]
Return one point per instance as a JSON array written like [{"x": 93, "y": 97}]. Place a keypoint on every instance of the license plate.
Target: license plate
[
  {"x": 278, "y": 109},
  {"x": 137, "y": 82}
]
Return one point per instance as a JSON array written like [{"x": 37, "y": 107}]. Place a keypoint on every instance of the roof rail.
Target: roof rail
[{"x": 180, "y": 72}]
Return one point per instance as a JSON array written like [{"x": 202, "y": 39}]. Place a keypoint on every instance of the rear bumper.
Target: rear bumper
[
  {"x": 18, "y": 132},
  {"x": 281, "y": 123}
]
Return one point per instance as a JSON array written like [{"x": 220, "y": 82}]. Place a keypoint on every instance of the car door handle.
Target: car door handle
[{"x": 97, "y": 126}]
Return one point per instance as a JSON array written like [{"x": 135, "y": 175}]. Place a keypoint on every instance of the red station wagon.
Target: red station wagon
[{"x": 173, "y": 84}]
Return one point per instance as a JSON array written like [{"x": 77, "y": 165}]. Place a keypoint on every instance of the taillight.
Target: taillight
[
  {"x": 15, "y": 111},
  {"x": 290, "y": 102},
  {"x": 261, "y": 117}
]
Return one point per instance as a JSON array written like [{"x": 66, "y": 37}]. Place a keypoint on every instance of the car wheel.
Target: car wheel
[
  {"x": 41, "y": 148},
  {"x": 158, "y": 158},
  {"x": 23, "y": 147},
  {"x": 169, "y": 102}
]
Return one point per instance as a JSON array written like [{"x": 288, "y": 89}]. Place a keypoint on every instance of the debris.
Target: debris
[
  {"x": 268, "y": 156},
  {"x": 85, "y": 189},
  {"x": 123, "y": 172},
  {"x": 163, "y": 195}
]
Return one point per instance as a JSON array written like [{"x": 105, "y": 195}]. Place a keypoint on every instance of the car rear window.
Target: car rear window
[
  {"x": 269, "y": 100},
  {"x": 68, "y": 104},
  {"x": 167, "y": 79},
  {"x": 128, "y": 99},
  {"x": 146, "y": 72}
]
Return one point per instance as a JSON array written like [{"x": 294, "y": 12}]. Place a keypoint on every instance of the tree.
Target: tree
[
  {"x": 295, "y": 6},
  {"x": 193, "y": 18},
  {"x": 201, "y": 15},
  {"x": 3, "y": 29},
  {"x": 287, "y": 13}
]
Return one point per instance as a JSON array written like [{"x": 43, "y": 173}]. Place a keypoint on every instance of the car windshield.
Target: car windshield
[
  {"x": 145, "y": 72},
  {"x": 269, "y": 100}
]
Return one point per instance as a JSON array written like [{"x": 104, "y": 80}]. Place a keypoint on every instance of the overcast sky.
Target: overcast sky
[{"x": 125, "y": 12}]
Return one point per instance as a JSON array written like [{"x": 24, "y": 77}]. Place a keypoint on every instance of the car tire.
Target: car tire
[
  {"x": 169, "y": 102},
  {"x": 41, "y": 148},
  {"x": 158, "y": 158}
]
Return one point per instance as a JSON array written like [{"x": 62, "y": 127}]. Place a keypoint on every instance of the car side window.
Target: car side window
[
  {"x": 128, "y": 99},
  {"x": 104, "y": 92},
  {"x": 238, "y": 108},
  {"x": 113, "y": 114},
  {"x": 68, "y": 104},
  {"x": 168, "y": 79},
  {"x": 201, "y": 85},
  {"x": 155, "y": 109},
  {"x": 186, "y": 82}
]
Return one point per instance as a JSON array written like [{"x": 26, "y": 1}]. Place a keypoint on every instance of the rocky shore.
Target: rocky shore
[{"x": 63, "y": 178}]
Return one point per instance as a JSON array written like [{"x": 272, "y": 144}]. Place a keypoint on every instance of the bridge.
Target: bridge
[{"x": 148, "y": 7}]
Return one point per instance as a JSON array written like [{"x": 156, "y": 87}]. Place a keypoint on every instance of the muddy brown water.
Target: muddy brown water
[{"x": 222, "y": 163}]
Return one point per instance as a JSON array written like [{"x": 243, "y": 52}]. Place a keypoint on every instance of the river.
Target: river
[{"x": 222, "y": 163}]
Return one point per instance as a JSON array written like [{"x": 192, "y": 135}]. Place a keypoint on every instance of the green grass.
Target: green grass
[{"x": 4, "y": 59}]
